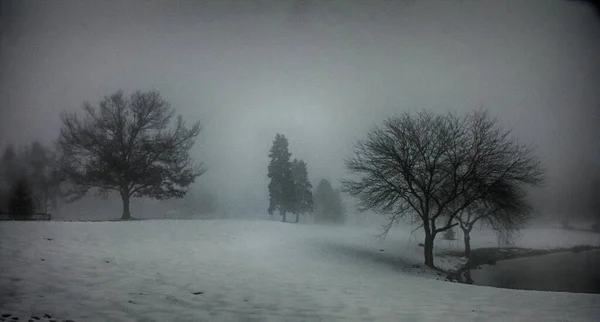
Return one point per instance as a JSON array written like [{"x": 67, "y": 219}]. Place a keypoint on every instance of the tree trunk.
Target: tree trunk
[
  {"x": 467, "y": 245},
  {"x": 467, "y": 239},
  {"x": 428, "y": 247},
  {"x": 468, "y": 278},
  {"x": 126, "y": 214},
  {"x": 297, "y": 219},
  {"x": 283, "y": 214}
]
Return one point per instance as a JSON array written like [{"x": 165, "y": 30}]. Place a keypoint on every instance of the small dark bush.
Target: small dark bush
[
  {"x": 449, "y": 234},
  {"x": 20, "y": 203},
  {"x": 566, "y": 225}
]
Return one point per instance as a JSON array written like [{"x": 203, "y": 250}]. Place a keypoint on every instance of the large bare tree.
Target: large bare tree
[
  {"x": 435, "y": 166},
  {"x": 129, "y": 145}
]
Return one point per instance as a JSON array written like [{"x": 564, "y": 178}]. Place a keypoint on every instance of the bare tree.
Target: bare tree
[
  {"x": 128, "y": 145},
  {"x": 435, "y": 166},
  {"x": 505, "y": 210}
]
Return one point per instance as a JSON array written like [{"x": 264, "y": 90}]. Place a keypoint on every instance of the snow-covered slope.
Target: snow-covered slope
[{"x": 253, "y": 271}]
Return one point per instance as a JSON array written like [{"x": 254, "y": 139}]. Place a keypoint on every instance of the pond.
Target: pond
[{"x": 562, "y": 272}]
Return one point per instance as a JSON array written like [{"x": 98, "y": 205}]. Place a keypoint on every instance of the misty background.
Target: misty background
[{"x": 321, "y": 72}]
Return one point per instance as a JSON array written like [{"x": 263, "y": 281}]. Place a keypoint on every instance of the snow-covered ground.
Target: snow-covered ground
[{"x": 256, "y": 271}]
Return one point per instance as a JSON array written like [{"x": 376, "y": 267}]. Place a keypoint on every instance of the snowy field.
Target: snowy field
[{"x": 236, "y": 270}]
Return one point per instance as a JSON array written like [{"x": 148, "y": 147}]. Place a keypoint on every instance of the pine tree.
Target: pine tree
[
  {"x": 303, "y": 200},
  {"x": 43, "y": 174},
  {"x": 281, "y": 186}
]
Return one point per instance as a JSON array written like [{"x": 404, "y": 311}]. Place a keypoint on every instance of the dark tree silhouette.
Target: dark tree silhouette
[
  {"x": 303, "y": 199},
  {"x": 44, "y": 175},
  {"x": 435, "y": 166},
  {"x": 129, "y": 145},
  {"x": 8, "y": 171},
  {"x": 8, "y": 166},
  {"x": 595, "y": 204},
  {"x": 39, "y": 165},
  {"x": 281, "y": 186},
  {"x": 20, "y": 204}
]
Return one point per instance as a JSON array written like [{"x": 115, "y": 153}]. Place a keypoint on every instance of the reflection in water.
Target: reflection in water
[{"x": 566, "y": 272}]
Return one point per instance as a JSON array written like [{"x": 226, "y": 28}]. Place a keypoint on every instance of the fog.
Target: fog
[{"x": 321, "y": 72}]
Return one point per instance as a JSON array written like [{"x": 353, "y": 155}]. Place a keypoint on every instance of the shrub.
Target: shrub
[
  {"x": 566, "y": 225},
  {"x": 449, "y": 234},
  {"x": 20, "y": 203}
]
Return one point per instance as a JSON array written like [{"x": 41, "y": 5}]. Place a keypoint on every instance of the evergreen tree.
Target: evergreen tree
[
  {"x": 303, "y": 199},
  {"x": 39, "y": 166},
  {"x": 43, "y": 174},
  {"x": 281, "y": 186},
  {"x": 329, "y": 208}
]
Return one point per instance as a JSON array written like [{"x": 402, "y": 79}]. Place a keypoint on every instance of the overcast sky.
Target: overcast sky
[{"x": 321, "y": 72}]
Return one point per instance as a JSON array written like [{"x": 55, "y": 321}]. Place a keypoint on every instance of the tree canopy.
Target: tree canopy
[
  {"x": 435, "y": 166},
  {"x": 129, "y": 145}
]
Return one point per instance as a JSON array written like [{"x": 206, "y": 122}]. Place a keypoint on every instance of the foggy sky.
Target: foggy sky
[{"x": 321, "y": 72}]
